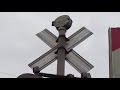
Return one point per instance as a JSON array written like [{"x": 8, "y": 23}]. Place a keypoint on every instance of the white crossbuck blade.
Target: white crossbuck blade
[{"x": 73, "y": 58}]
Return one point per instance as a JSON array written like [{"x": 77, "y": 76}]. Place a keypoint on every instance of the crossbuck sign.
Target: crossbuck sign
[{"x": 73, "y": 58}]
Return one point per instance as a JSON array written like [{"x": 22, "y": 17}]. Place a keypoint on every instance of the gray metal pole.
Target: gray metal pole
[
  {"x": 61, "y": 51},
  {"x": 62, "y": 24}
]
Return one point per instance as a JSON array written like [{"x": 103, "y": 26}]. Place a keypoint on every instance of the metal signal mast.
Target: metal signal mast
[{"x": 62, "y": 49}]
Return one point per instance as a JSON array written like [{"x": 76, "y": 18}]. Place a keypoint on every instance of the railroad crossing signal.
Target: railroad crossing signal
[{"x": 62, "y": 47}]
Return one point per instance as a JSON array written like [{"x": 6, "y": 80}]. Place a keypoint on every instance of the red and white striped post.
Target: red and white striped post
[{"x": 114, "y": 52}]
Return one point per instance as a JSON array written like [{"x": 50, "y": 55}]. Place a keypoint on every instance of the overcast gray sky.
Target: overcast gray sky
[{"x": 19, "y": 45}]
